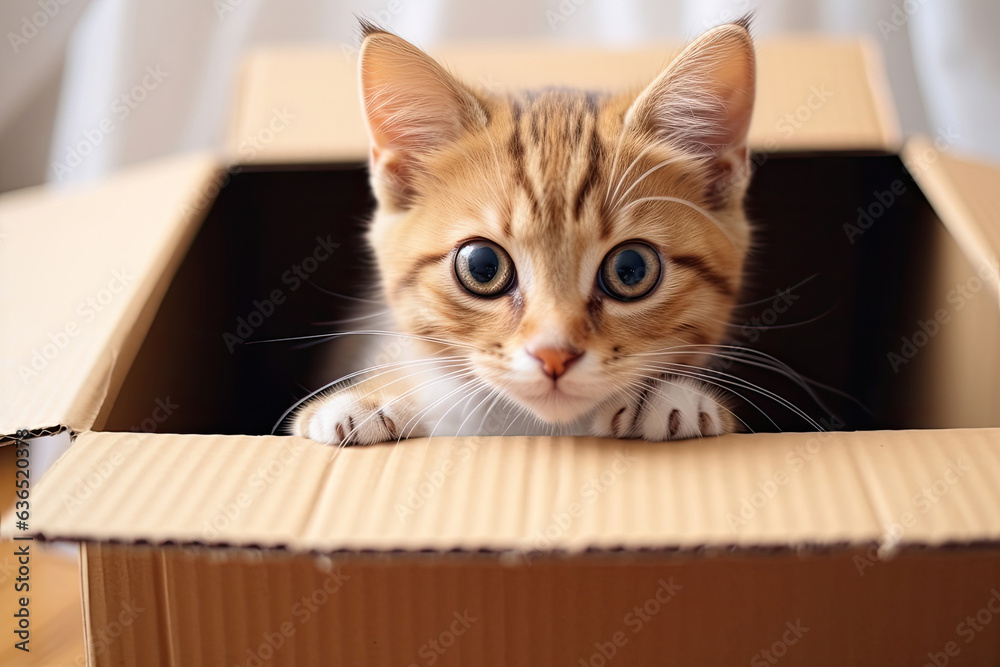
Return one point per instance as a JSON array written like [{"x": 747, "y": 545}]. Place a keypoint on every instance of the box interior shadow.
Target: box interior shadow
[{"x": 280, "y": 253}]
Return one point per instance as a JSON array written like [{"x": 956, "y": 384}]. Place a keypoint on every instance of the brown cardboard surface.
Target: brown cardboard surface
[
  {"x": 956, "y": 376},
  {"x": 881, "y": 542},
  {"x": 966, "y": 194},
  {"x": 528, "y": 494},
  {"x": 814, "y": 93},
  {"x": 195, "y": 607},
  {"x": 79, "y": 274}
]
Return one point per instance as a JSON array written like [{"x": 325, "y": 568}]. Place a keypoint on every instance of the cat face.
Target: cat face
[{"x": 562, "y": 241}]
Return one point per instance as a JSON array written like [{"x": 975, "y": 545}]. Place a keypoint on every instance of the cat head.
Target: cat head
[{"x": 566, "y": 242}]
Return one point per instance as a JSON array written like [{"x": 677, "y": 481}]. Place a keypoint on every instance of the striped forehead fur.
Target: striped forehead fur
[{"x": 557, "y": 178}]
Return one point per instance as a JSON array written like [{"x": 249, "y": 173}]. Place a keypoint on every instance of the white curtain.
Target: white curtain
[{"x": 89, "y": 86}]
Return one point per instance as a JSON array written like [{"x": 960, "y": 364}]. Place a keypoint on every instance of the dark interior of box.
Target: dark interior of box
[{"x": 829, "y": 304}]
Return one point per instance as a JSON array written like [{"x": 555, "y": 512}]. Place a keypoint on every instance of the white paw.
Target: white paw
[
  {"x": 672, "y": 409},
  {"x": 345, "y": 419}
]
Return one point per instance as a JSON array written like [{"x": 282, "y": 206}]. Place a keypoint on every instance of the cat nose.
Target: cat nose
[{"x": 555, "y": 361}]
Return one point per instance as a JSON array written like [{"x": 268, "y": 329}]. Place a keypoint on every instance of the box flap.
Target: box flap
[
  {"x": 966, "y": 196},
  {"x": 298, "y": 105},
  {"x": 528, "y": 494},
  {"x": 81, "y": 274}
]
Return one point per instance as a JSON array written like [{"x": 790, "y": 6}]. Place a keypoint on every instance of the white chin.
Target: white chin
[{"x": 556, "y": 407}]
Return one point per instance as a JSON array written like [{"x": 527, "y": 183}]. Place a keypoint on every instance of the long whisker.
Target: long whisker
[
  {"x": 639, "y": 180},
  {"x": 767, "y": 327},
  {"x": 416, "y": 418},
  {"x": 769, "y": 298},
  {"x": 490, "y": 394},
  {"x": 405, "y": 394},
  {"x": 621, "y": 179},
  {"x": 729, "y": 390},
  {"x": 349, "y": 376},
  {"x": 352, "y": 319},
  {"x": 343, "y": 296},
  {"x": 684, "y": 202},
  {"x": 797, "y": 378},
  {"x": 451, "y": 365},
  {"x": 697, "y": 372},
  {"x": 368, "y": 332},
  {"x": 480, "y": 384},
  {"x": 775, "y": 365}
]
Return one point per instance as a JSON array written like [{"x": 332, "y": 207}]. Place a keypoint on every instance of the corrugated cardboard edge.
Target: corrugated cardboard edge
[
  {"x": 107, "y": 370},
  {"x": 110, "y": 370},
  {"x": 935, "y": 172},
  {"x": 88, "y": 571},
  {"x": 516, "y": 494},
  {"x": 34, "y": 432}
]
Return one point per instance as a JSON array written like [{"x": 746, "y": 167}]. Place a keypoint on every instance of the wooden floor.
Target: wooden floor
[{"x": 56, "y": 613}]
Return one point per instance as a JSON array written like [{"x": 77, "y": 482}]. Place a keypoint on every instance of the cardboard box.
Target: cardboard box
[{"x": 205, "y": 541}]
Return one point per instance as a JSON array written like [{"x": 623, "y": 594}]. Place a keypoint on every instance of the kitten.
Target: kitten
[{"x": 551, "y": 259}]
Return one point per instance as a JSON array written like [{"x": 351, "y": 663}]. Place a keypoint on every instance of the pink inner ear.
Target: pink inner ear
[
  {"x": 412, "y": 107},
  {"x": 703, "y": 101},
  {"x": 410, "y": 102}
]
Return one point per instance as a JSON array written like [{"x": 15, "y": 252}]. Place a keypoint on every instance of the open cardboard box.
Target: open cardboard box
[{"x": 206, "y": 541}]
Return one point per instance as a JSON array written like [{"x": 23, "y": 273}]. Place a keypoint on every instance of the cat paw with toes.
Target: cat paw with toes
[
  {"x": 345, "y": 420},
  {"x": 671, "y": 409}
]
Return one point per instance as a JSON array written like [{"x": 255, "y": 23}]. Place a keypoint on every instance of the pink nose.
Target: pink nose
[{"x": 555, "y": 361}]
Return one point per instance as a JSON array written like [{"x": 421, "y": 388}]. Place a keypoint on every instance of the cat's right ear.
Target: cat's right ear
[
  {"x": 702, "y": 103},
  {"x": 413, "y": 107}
]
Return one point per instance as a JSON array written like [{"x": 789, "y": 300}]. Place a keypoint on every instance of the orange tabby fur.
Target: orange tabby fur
[{"x": 557, "y": 178}]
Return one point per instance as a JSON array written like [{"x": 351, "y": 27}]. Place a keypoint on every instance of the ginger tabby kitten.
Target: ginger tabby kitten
[{"x": 553, "y": 260}]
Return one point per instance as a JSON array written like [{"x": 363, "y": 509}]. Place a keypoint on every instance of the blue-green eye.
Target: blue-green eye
[
  {"x": 484, "y": 268},
  {"x": 630, "y": 271}
]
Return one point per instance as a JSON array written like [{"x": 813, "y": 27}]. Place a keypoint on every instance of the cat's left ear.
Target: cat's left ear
[
  {"x": 702, "y": 104},
  {"x": 413, "y": 107}
]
